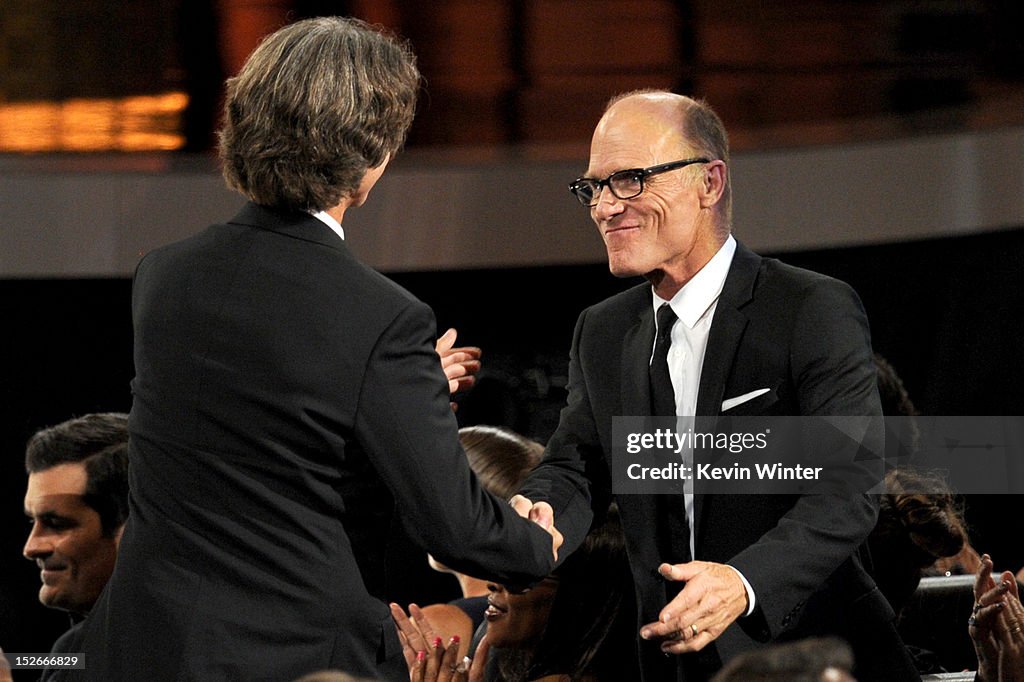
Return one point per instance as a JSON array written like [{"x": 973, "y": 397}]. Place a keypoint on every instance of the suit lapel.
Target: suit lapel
[
  {"x": 727, "y": 328},
  {"x": 636, "y": 357}
]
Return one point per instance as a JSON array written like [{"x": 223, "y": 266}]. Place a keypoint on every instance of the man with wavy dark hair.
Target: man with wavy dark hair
[{"x": 289, "y": 409}]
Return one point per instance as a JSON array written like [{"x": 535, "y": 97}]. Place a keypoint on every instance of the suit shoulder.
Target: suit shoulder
[
  {"x": 379, "y": 286},
  {"x": 626, "y": 302},
  {"x": 798, "y": 281},
  {"x": 328, "y": 265}
]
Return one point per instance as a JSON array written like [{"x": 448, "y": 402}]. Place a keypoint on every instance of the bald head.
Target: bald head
[
  {"x": 657, "y": 187},
  {"x": 665, "y": 118}
]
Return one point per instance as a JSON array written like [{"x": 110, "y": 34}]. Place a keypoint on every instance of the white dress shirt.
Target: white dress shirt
[
  {"x": 328, "y": 220},
  {"x": 695, "y": 306}
]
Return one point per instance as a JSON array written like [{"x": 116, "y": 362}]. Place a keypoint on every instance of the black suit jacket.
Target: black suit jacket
[
  {"x": 805, "y": 337},
  {"x": 288, "y": 407}
]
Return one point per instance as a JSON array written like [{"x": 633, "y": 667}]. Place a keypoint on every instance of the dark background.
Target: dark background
[{"x": 945, "y": 312}]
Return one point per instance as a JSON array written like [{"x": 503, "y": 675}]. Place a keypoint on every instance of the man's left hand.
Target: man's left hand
[{"x": 712, "y": 599}]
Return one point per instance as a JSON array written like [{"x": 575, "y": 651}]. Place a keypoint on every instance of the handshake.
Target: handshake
[{"x": 540, "y": 513}]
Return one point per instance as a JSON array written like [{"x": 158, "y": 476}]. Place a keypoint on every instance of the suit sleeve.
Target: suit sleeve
[
  {"x": 573, "y": 476},
  {"x": 405, "y": 423},
  {"x": 834, "y": 373}
]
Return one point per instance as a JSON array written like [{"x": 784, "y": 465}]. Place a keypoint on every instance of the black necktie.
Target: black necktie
[
  {"x": 672, "y": 508},
  {"x": 671, "y": 523},
  {"x": 663, "y": 397}
]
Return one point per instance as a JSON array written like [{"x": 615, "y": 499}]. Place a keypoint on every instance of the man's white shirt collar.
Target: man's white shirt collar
[
  {"x": 695, "y": 298},
  {"x": 328, "y": 220}
]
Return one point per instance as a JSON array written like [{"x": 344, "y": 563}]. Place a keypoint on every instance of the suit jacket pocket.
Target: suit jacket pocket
[{"x": 757, "y": 405}]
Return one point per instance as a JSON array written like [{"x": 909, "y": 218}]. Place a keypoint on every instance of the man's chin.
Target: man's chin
[
  {"x": 623, "y": 270},
  {"x": 52, "y": 599}
]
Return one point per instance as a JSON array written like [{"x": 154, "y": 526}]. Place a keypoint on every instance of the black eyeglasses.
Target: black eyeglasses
[{"x": 624, "y": 184}]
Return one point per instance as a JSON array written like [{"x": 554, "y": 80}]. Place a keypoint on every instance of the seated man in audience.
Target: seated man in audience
[{"x": 77, "y": 501}]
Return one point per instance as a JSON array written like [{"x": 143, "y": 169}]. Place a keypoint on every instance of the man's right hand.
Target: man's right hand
[{"x": 542, "y": 514}]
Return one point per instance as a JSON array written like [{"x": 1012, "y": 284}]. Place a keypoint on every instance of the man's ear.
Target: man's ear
[{"x": 712, "y": 183}]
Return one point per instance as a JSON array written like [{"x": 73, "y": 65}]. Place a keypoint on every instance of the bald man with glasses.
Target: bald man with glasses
[{"x": 715, "y": 331}]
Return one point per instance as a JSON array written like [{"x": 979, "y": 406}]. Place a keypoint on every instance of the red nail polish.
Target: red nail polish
[
  {"x": 455, "y": 639},
  {"x": 421, "y": 656},
  {"x": 437, "y": 642}
]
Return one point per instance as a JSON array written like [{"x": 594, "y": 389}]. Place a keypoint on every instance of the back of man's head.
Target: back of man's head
[
  {"x": 100, "y": 443},
  {"x": 317, "y": 104}
]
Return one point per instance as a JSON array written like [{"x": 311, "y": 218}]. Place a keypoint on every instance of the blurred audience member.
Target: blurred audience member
[
  {"x": 895, "y": 398},
  {"x": 824, "y": 659},
  {"x": 997, "y": 626},
  {"x": 5, "y": 668},
  {"x": 577, "y": 624},
  {"x": 919, "y": 521},
  {"x": 902, "y": 435},
  {"x": 77, "y": 501},
  {"x": 500, "y": 459},
  {"x": 903, "y": 438}
]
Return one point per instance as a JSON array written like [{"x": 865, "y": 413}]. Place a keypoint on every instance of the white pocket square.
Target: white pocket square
[{"x": 740, "y": 399}]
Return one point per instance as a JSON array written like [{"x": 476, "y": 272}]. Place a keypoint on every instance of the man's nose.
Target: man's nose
[
  {"x": 37, "y": 546},
  {"x": 607, "y": 203}
]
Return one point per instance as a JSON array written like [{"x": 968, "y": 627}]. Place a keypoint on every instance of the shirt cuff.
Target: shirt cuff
[{"x": 751, "y": 600}]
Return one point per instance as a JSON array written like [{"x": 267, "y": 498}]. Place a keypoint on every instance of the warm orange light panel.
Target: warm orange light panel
[{"x": 126, "y": 124}]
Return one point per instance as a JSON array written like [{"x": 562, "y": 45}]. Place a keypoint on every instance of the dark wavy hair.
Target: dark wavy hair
[
  {"x": 919, "y": 521},
  {"x": 98, "y": 441},
  {"x": 316, "y": 105}
]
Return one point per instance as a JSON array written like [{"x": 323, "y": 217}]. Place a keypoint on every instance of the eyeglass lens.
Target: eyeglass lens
[{"x": 624, "y": 185}]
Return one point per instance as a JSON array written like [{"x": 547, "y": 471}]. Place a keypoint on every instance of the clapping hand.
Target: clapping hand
[
  {"x": 426, "y": 656},
  {"x": 996, "y": 626}
]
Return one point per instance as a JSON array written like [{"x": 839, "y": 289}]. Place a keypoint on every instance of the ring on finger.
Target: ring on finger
[{"x": 693, "y": 629}]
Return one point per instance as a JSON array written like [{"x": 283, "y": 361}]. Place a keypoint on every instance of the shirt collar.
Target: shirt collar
[
  {"x": 697, "y": 296},
  {"x": 328, "y": 220}
]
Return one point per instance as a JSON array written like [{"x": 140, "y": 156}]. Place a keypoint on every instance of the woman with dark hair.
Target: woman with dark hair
[
  {"x": 919, "y": 521},
  {"x": 289, "y": 408},
  {"x": 577, "y": 625},
  {"x": 501, "y": 459}
]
